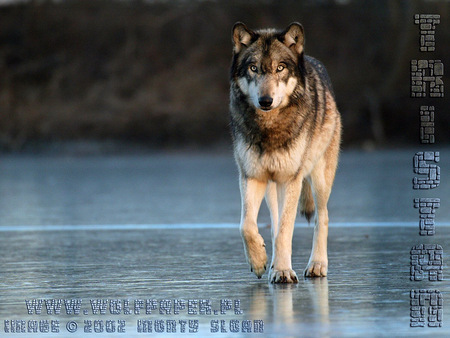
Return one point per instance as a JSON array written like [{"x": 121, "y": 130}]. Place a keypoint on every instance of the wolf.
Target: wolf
[{"x": 286, "y": 132}]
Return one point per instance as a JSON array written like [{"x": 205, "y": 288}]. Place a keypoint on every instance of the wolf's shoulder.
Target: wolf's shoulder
[{"x": 321, "y": 71}]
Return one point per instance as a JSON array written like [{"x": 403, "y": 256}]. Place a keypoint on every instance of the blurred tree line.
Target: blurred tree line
[{"x": 157, "y": 71}]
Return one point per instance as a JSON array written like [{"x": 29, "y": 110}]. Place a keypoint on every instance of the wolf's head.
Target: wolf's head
[{"x": 268, "y": 65}]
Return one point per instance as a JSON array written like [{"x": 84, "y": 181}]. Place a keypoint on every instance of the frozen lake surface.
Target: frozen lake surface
[
  {"x": 195, "y": 188},
  {"x": 159, "y": 233}
]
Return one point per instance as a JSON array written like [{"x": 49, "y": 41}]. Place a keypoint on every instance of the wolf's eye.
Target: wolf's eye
[
  {"x": 253, "y": 68},
  {"x": 280, "y": 68}
]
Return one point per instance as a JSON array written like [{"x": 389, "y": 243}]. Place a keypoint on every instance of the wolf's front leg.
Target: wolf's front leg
[
  {"x": 252, "y": 193},
  {"x": 281, "y": 267}
]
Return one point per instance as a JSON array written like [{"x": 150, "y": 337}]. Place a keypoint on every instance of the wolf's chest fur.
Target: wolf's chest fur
[
  {"x": 277, "y": 146},
  {"x": 270, "y": 144},
  {"x": 278, "y": 165},
  {"x": 270, "y": 131}
]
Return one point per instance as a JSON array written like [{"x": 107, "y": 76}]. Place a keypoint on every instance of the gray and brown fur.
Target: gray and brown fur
[{"x": 286, "y": 133}]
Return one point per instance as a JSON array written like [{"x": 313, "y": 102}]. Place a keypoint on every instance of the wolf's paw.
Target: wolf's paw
[
  {"x": 316, "y": 269},
  {"x": 256, "y": 255},
  {"x": 283, "y": 276}
]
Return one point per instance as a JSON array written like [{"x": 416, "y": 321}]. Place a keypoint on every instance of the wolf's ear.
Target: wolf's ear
[
  {"x": 242, "y": 36},
  {"x": 294, "y": 37}
]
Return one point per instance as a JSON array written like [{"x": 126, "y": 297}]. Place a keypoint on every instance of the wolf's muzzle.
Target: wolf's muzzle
[{"x": 265, "y": 102}]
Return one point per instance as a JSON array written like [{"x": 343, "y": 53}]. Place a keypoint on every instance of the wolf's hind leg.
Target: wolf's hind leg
[
  {"x": 322, "y": 178},
  {"x": 252, "y": 193}
]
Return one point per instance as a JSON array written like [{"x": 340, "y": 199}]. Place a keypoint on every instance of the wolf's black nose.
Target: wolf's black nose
[{"x": 265, "y": 102}]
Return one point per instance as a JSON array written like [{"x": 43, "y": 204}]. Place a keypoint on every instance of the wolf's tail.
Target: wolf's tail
[{"x": 307, "y": 201}]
